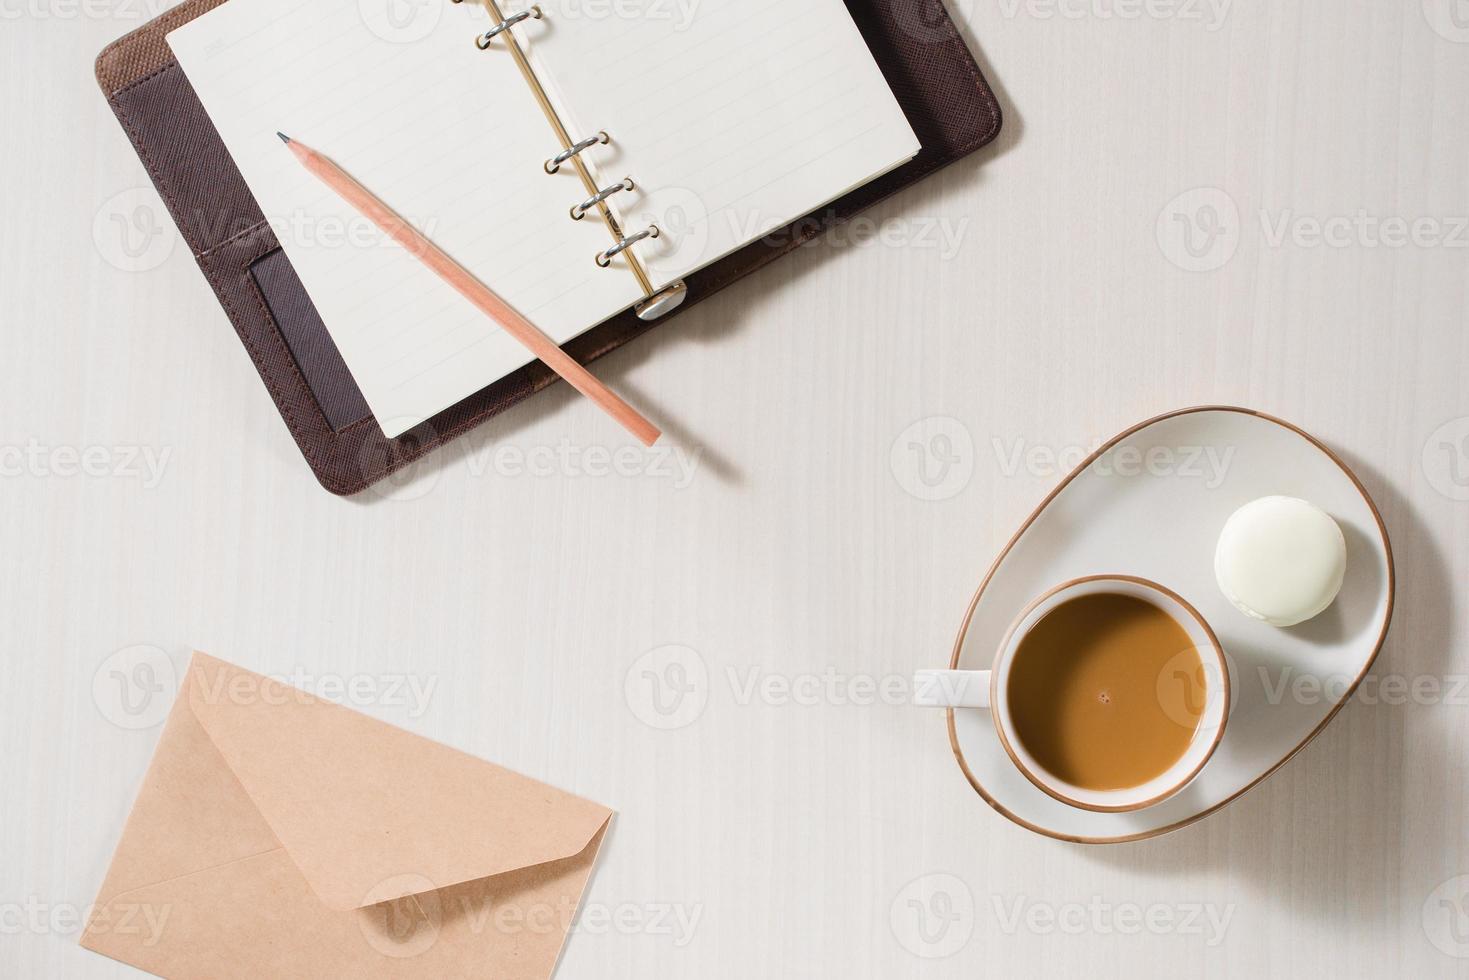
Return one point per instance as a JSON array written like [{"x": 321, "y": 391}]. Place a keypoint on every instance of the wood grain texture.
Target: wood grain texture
[{"x": 1039, "y": 299}]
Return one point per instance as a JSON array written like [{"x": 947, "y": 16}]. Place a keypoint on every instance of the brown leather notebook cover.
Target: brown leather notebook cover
[{"x": 932, "y": 73}]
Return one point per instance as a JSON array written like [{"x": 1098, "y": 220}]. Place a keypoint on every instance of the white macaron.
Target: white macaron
[{"x": 1281, "y": 560}]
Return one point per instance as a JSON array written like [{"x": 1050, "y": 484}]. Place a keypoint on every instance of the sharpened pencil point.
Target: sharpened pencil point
[{"x": 283, "y": 136}]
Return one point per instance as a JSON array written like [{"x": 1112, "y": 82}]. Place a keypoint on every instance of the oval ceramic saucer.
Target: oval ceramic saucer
[{"x": 1151, "y": 503}]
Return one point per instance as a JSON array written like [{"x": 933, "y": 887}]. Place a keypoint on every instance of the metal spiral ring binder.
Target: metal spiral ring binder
[
  {"x": 656, "y": 302},
  {"x": 553, "y": 165},
  {"x": 484, "y": 40},
  {"x": 579, "y": 211},
  {"x": 605, "y": 259}
]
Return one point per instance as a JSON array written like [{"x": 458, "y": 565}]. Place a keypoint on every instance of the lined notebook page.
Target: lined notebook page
[
  {"x": 448, "y": 136},
  {"x": 734, "y": 117}
]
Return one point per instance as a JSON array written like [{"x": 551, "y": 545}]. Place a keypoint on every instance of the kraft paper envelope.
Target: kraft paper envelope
[{"x": 277, "y": 835}]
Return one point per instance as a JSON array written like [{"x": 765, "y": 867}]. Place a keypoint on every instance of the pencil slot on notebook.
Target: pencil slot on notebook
[
  {"x": 484, "y": 41},
  {"x": 579, "y": 211},
  {"x": 553, "y": 165}
]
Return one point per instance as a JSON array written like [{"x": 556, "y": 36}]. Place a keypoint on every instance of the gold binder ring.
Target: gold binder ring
[
  {"x": 554, "y": 164},
  {"x": 605, "y": 259},
  {"x": 580, "y": 211},
  {"x": 483, "y": 41}
]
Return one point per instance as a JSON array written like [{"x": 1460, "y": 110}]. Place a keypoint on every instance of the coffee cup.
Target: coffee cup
[{"x": 1110, "y": 693}]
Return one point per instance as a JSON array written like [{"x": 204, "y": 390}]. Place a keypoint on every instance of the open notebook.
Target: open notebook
[{"x": 723, "y": 120}]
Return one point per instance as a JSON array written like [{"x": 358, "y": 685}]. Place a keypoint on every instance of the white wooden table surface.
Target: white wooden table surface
[{"x": 1255, "y": 203}]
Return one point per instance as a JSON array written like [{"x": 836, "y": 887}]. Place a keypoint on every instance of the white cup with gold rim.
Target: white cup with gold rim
[{"x": 985, "y": 689}]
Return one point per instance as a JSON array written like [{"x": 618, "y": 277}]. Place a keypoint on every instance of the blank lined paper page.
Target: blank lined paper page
[
  {"x": 734, "y": 117},
  {"x": 449, "y": 137}
]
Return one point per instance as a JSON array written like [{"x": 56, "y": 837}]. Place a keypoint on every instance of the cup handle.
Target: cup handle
[{"x": 951, "y": 689}]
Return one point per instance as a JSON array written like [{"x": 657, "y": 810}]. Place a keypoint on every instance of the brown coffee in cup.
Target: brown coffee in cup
[{"x": 1088, "y": 691}]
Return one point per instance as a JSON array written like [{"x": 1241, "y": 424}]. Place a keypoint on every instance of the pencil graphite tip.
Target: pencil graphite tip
[{"x": 283, "y": 136}]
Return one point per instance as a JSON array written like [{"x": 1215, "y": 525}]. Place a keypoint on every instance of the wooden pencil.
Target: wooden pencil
[{"x": 464, "y": 282}]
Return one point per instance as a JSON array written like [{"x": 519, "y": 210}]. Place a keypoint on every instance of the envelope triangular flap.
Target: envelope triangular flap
[{"x": 369, "y": 812}]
